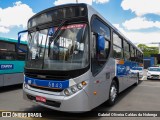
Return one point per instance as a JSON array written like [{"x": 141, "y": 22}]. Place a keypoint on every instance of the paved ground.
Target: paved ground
[{"x": 144, "y": 97}]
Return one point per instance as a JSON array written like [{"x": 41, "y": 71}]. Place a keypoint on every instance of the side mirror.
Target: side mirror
[
  {"x": 19, "y": 41},
  {"x": 100, "y": 42}
]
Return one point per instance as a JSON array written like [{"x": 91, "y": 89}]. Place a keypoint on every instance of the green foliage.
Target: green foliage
[{"x": 148, "y": 51}]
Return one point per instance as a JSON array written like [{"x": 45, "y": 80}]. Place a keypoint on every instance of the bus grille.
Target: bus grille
[
  {"x": 48, "y": 102},
  {"x": 46, "y": 89},
  {"x": 47, "y": 77}
]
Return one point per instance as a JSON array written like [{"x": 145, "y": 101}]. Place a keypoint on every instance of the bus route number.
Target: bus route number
[{"x": 55, "y": 85}]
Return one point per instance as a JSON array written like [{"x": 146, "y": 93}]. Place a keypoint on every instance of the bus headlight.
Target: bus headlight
[
  {"x": 67, "y": 92},
  {"x": 75, "y": 88},
  {"x": 79, "y": 86}
]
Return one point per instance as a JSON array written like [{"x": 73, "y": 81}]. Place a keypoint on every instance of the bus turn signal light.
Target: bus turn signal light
[{"x": 84, "y": 83}]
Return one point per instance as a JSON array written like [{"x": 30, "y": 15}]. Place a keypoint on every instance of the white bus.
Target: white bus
[{"x": 76, "y": 60}]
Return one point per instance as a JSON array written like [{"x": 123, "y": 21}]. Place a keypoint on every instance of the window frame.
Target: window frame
[
  {"x": 114, "y": 45},
  {"x": 9, "y": 43},
  {"x": 125, "y": 42},
  {"x": 95, "y": 42},
  {"x": 8, "y": 55}
]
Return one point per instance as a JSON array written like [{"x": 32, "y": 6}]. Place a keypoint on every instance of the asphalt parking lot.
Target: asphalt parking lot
[{"x": 144, "y": 97}]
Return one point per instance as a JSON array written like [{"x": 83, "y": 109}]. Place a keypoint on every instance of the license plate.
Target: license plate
[{"x": 40, "y": 99}]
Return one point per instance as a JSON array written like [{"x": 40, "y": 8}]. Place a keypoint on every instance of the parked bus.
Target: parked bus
[
  {"x": 11, "y": 62},
  {"x": 77, "y": 60}
]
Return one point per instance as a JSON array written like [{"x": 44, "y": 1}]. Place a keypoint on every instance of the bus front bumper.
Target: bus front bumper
[{"x": 78, "y": 102}]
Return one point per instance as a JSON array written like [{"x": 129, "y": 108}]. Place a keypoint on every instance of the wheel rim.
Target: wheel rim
[{"x": 113, "y": 92}]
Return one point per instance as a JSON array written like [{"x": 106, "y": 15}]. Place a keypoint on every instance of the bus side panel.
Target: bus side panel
[
  {"x": 10, "y": 67},
  {"x": 124, "y": 74},
  {"x": 12, "y": 72},
  {"x": 122, "y": 83},
  {"x": 121, "y": 73},
  {"x": 1, "y": 80},
  {"x": 11, "y": 79},
  {"x": 133, "y": 76},
  {"x": 100, "y": 84}
]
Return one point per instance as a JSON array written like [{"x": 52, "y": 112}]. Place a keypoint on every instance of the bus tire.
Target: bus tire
[
  {"x": 137, "y": 81},
  {"x": 113, "y": 93}
]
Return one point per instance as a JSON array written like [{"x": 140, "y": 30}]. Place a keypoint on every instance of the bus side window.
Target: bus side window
[
  {"x": 132, "y": 53},
  {"x": 117, "y": 46},
  {"x": 126, "y": 50},
  {"x": 101, "y": 45},
  {"x": 7, "y": 51}
]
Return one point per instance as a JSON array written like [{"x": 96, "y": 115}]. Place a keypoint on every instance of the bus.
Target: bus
[
  {"x": 77, "y": 60},
  {"x": 11, "y": 62}
]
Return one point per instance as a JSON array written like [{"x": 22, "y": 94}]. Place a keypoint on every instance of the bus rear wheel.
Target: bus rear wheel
[{"x": 113, "y": 93}]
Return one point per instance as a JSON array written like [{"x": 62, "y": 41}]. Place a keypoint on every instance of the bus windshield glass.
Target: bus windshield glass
[{"x": 68, "y": 50}]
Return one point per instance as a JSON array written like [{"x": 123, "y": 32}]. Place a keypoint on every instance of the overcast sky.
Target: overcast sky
[{"x": 139, "y": 20}]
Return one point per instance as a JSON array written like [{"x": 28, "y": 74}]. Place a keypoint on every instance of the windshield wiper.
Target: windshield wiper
[
  {"x": 40, "y": 47},
  {"x": 55, "y": 35}
]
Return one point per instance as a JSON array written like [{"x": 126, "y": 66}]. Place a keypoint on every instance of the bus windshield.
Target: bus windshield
[{"x": 68, "y": 50}]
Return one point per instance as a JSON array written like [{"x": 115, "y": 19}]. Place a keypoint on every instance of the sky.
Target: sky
[{"x": 138, "y": 20}]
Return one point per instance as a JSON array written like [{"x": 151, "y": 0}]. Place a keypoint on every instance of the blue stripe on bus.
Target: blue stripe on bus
[
  {"x": 9, "y": 67},
  {"x": 53, "y": 84},
  {"x": 124, "y": 69}
]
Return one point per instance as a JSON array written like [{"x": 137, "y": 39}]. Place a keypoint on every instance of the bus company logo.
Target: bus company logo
[{"x": 6, "y": 66}]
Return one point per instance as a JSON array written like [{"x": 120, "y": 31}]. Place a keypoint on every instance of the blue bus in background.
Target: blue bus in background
[{"x": 11, "y": 62}]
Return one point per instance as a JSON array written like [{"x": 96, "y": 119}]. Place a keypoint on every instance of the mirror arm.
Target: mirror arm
[{"x": 19, "y": 40}]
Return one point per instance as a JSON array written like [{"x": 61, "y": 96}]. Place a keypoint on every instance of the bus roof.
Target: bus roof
[{"x": 11, "y": 40}]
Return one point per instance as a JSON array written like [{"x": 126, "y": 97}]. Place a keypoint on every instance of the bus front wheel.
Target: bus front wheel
[{"x": 113, "y": 93}]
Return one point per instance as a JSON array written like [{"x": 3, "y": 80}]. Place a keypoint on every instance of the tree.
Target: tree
[{"x": 148, "y": 51}]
